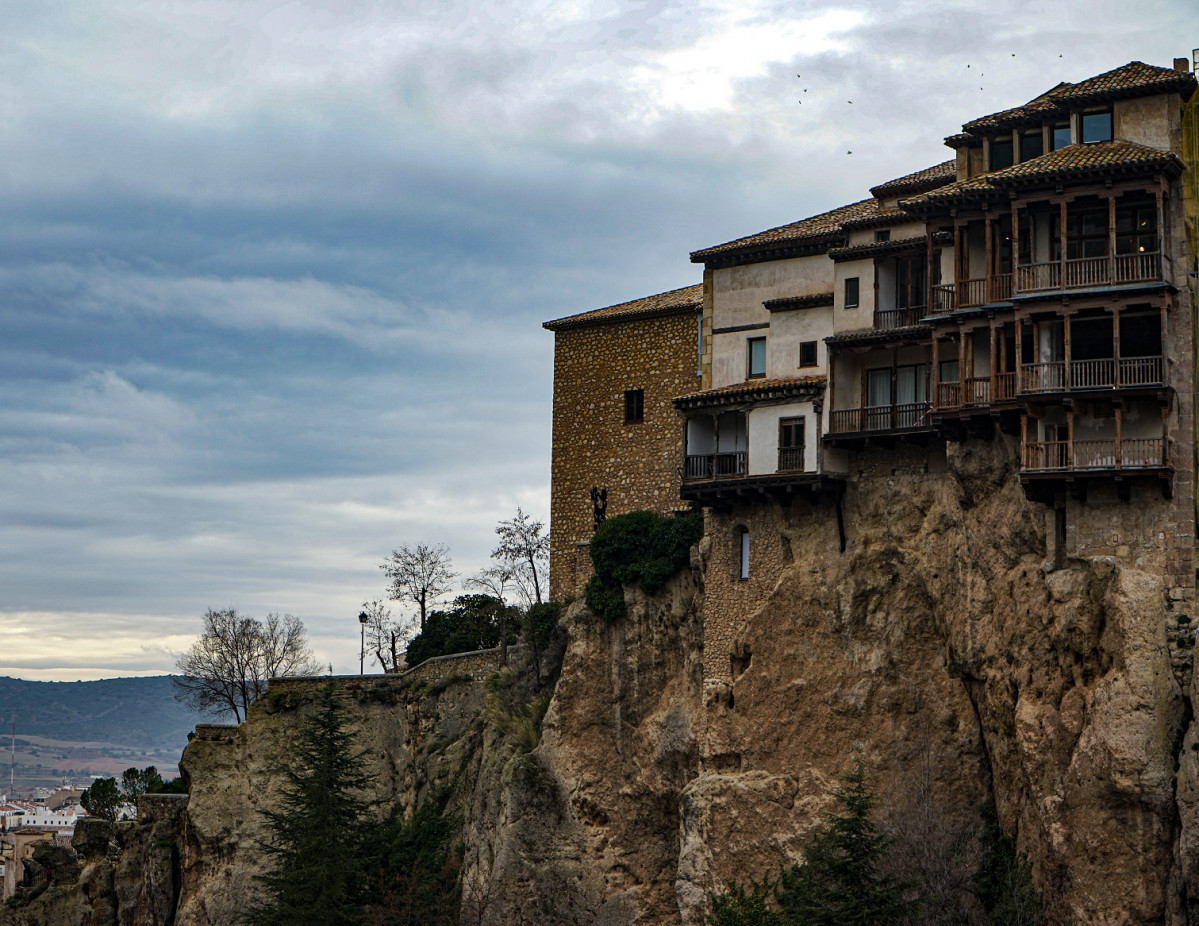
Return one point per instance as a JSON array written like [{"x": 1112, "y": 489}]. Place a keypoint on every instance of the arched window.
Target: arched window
[{"x": 743, "y": 548}]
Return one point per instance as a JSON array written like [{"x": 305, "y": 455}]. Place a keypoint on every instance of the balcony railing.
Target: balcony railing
[
  {"x": 874, "y": 418},
  {"x": 790, "y": 459},
  {"x": 1084, "y": 375},
  {"x": 703, "y": 466},
  {"x": 975, "y": 391},
  {"x": 1135, "y": 453},
  {"x": 943, "y": 298},
  {"x": 886, "y": 319},
  {"x": 971, "y": 293},
  {"x": 1089, "y": 271}
]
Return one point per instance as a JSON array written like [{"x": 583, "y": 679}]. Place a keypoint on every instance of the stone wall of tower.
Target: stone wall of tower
[{"x": 638, "y": 463}]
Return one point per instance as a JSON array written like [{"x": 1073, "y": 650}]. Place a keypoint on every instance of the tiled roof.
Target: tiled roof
[
  {"x": 918, "y": 182},
  {"x": 867, "y": 336},
  {"x": 676, "y": 301},
  {"x": 879, "y": 218},
  {"x": 877, "y": 248},
  {"x": 818, "y": 229},
  {"x": 787, "y": 303},
  {"x": 1106, "y": 158},
  {"x": 754, "y": 390},
  {"x": 1130, "y": 80}
]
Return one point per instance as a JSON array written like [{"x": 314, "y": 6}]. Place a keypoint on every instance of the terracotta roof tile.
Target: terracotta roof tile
[
  {"x": 754, "y": 390},
  {"x": 676, "y": 301},
  {"x": 825, "y": 227},
  {"x": 867, "y": 336},
  {"x": 1129, "y": 80},
  {"x": 787, "y": 303},
  {"x": 878, "y": 248},
  {"x": 1070, "y": 163},
  {"x": 919, "y": 181},
  {"x": 879, "y": 217}
]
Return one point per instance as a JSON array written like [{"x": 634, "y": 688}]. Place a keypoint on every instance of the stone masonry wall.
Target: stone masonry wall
[{"x": 637, "y": 463}]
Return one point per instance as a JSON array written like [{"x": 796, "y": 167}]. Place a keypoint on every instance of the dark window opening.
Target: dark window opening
[
  {"x": 634, "y": 406},
  {"x": 1091, "y": 338},
  {"x": 757, "y": 356},
  {"x": 1086, "y": 233},
  {"x": 1001, "y": 153},
  {"x": 1136, "y": 228},
  {"x": 1141, "y": 335},
  {"x": 1032, "y": 145},
  {"x": 1061, "y": 135},
  {"x": 851, "y": 292},
  {"x": 791, "y": 444},
  {"x": 911, "y": 282},
  {"x": 1096, "y": 127},
  {"x": 884, "y": 235},
  {"x": 807, "y": 354}
]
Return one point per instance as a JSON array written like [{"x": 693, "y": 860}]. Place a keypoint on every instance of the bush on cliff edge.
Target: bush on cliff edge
[{"x": 639, "y": 548}]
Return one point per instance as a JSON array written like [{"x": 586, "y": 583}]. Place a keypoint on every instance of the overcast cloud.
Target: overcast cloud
[{"x": 272, "y": 274}]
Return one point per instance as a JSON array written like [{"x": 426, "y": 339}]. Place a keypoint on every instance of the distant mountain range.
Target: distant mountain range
[{"x": 140, "y": 713}]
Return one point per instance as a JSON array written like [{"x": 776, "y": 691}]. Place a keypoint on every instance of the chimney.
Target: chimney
[{"x": 1182, "y": 64}]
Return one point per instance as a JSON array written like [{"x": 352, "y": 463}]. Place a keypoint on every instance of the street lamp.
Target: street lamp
[{"x": 362, "y": 619}]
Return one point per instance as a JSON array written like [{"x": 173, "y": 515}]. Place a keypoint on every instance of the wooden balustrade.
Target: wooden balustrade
[
  {"x": 886, "y": 319},
  {"x": 949, "y": 395},
  {"x": 1092, "y": 374},
  {"x": 700, "y": 466},
  {"x": 1134, "y": 453},
  {"x": 1043, "y": 377},
  {"x": 906, "y": 417},
  {"x": 942, "y": 298},
  {"x": 790, "y": 459},
  {"x": 1005, "y": 386},
  {"x": 972, "y": 293},
  {"x": 1089, "y": 271}
]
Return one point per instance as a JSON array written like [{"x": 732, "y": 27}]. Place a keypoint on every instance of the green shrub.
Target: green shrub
[{"x": 639, "y": 548}]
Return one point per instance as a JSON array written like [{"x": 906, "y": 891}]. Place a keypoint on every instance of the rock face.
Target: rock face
[{"x": 694, "y": 743}]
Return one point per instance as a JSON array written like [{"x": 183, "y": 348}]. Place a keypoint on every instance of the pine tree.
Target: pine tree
[
  {"x": 317, "y": 834},
  {"x": 841, "y": 881}
]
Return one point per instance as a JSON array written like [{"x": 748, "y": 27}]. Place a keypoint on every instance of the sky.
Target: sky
[{"x": 272, "y": 274}]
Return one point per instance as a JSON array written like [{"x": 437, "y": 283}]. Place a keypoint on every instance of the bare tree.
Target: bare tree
[
  {"x": 386, "y": 637},
  {"x": 234, "y": 658},
  {"x": 420, "y": 574},
  {"x": 524, "y": 549},
  {"x": 494, "y": 581}
]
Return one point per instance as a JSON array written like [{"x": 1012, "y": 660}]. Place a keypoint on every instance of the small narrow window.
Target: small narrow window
[
  {"x": 1032, "y": 145},
  {"x": 851, "y": 292},
  {"x": 807, "y": 354},
  {"x": 743, "y": 572},
  {"x": 757, "y": 357},
  {"x": 1001, "y": 153},
  {"x": 1061, "y": 135},
  {"x": 884, "y": 235},
  {"x": 1096, "y": 127},
  {"x": 634, "y": 406}
]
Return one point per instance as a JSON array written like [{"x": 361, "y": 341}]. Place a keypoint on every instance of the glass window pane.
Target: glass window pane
[
  {"x": 757, "y": 357},
  {"x": 1001, "y": 153},
  {"x": 1032, "y": 145},
  {"x": 1061, "y": 136},
  {"x": 1096, "y": 127}
]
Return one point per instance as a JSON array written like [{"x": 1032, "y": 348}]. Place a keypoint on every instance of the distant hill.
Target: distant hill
[{"x": 141, "y": 713}]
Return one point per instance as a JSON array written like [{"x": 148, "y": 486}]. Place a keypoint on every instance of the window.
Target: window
[
  {"x": 1086, "y": 233},
  {"x": 1096, "y": 127},
  {"x": 1032, "y": 145},
  {"x": 634, "y": 406},
  {"x": 743, "y": 571},
  {"x": 791, "y": 443},
  {"x": 807, "y": 353},
  {"x": 1136, "y": 229},
  {"x": 1001, "y": 153},
  {"x": 1061, "y": 135},
  {"x": 884, "y": 235},
  {"x": 756, "y": 356},
  {"x": 851, "y": 292}
]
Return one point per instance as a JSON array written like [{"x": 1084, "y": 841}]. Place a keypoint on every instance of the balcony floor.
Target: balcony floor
[{"x": 782, "y": 487}]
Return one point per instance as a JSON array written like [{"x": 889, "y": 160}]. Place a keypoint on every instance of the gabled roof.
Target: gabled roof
[
  {"x": 674, "y": 302},
  {"x": 1129, "y": 80},
  {"x": 917, "y": 182},
  {"x": 1074, "y": 162},
  {"x": 817, "y": 232}
]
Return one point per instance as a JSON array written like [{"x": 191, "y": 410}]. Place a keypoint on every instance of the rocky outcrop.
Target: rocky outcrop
[{"x": 944, "y": 643}]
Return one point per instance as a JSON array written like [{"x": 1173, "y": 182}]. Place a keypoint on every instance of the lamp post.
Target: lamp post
[{"x": 363, "y": 617}]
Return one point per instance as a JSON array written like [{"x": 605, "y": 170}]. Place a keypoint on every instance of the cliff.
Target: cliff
[{"x": 692, "y": 743}]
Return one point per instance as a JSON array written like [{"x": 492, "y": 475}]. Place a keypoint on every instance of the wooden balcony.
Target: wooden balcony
[
  {"x": 1094, "y": 455},
  {"x": 851, "y": 427},
  {"x": 887, "y": 319},
  {"x": 1089, "y": 272},
  {"x": 706, "y": 466},
  {"x": 976, "y": 392},
  {"x": 790, "y": 460},
  {"x": 970, "y": 294},
  {"x": 1092, "y": 375}
]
